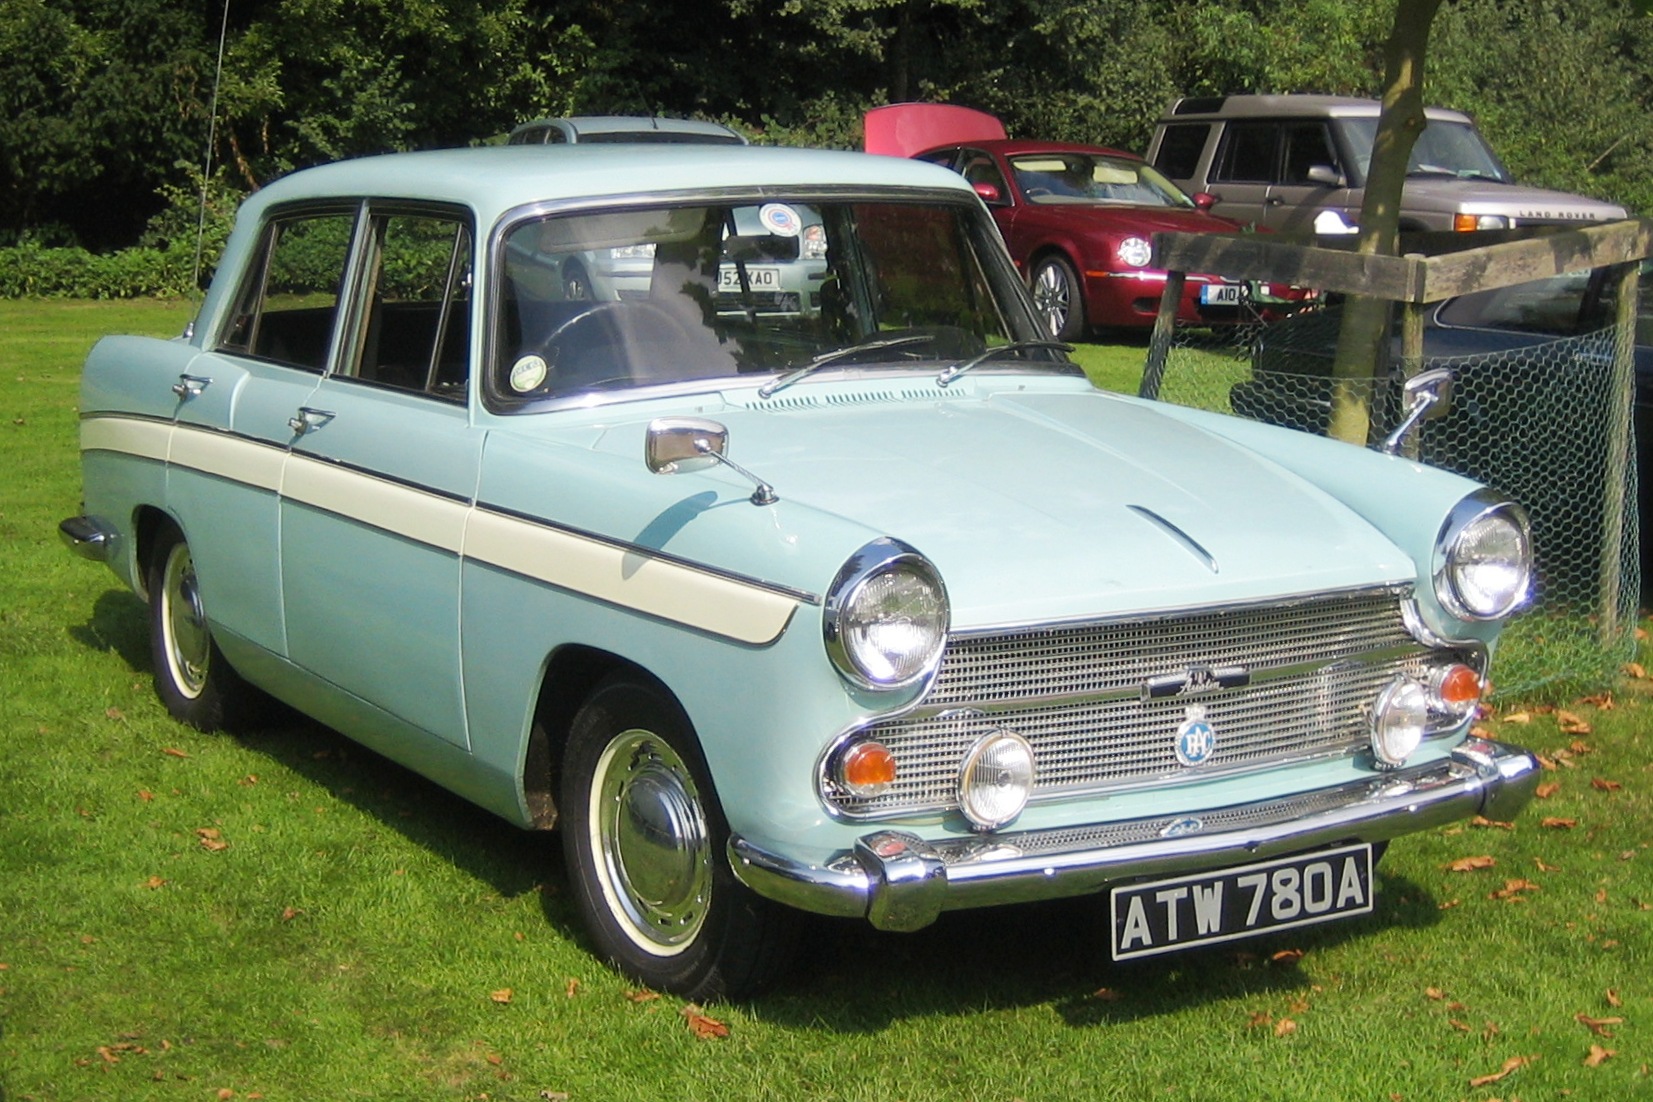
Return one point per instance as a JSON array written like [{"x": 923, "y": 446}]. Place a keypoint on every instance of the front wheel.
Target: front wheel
[
  {"x": 1057, "y": 294},
  {"x": 644, "y": 841},
  {"x": 191, "y": 676}
]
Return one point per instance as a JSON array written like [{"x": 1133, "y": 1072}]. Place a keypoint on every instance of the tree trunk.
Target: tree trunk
[{"x": 1363, "y": 340}]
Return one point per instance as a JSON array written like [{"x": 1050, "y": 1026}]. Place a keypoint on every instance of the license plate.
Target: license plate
[
  {"x": 1222, "y": 294},
  {"x": 1228, "y": 904},
  {"x": 758, "y": 279}
]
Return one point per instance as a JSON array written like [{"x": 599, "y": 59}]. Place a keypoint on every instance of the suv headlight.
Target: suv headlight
[
  {"x": 1483, "y": 566},
  {"x": 886, "y": 617}
]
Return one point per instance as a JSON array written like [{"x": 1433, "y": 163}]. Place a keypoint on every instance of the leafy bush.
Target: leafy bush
[{"x": 32, "y": 270}]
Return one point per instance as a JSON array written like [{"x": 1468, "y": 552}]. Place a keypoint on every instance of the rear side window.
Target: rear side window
[
  {"x": 1247, "y": 155},
  {"x": 288, "y": 309},
  {"x": 1180, "y": 147}
]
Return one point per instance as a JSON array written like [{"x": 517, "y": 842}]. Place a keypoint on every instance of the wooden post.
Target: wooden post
[
  {"x": 1616, "y": 517},
  {"x": 1159, "y": 344}
]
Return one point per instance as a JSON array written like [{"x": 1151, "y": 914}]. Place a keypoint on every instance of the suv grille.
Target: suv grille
[{"x": 1079, "y": 695}]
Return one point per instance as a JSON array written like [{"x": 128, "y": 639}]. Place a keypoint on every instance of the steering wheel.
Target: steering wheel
[{"x": 589, "y": 349}]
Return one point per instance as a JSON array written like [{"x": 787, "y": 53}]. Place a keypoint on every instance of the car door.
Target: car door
[
  {"x": 1244, "y": 168},
  {"x": 1309, "y": 179},
  {"x": 382, "y": 475}
]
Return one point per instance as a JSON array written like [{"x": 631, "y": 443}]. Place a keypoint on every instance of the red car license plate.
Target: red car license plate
[{"x": 1227, "y": 904}]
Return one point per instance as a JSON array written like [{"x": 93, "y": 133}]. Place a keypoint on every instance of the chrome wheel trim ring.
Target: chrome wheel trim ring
[
  {"x": 184, "y": 635},
  {"x": 1052, "y": 296},
  {"x": 650, "y": 843}
]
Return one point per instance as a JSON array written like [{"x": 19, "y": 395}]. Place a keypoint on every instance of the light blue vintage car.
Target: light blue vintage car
[{"x": 875, "y": 608}]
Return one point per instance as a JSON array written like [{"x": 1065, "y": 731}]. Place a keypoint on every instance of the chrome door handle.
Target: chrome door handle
[
  {"x": 308, "y": 420},
  {"x": 188, "y": 386}
]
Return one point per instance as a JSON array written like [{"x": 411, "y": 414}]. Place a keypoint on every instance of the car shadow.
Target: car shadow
[{"x": 854, "y": 979}]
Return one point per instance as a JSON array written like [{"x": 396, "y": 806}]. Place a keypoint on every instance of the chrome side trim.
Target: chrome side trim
[
  {"x": 900, "y": 881},
  {"x": 1183, "y": 539}
]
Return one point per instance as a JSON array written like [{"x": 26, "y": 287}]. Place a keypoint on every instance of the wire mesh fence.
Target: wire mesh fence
[{"x": 1539, "y": 419}]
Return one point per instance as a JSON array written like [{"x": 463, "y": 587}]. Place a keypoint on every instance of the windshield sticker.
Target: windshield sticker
[
  {"x": 528, "y": 373},
  {"x": 780, "y": 220}
]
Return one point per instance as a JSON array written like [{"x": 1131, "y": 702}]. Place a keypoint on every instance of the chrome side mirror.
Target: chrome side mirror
[
  {"x": 677, "y": 445},
  {"x": 1425, "y": 397}
]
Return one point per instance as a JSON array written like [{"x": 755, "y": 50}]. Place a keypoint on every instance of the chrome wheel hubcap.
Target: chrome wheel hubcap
[
  {"x": 649, "y": 836},
  {"x": 1052, "y": 295},
  {"x": 184, "y": 623}
]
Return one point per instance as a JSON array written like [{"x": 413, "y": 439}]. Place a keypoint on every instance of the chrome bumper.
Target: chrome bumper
[
  {"x": 88, "y": 538},
  {"x": 898, "y": 881}
]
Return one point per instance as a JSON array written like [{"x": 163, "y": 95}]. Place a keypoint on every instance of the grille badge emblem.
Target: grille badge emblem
[
  {"x": 1196, "y": 679},
  {"x": 1196, "y": 739}
]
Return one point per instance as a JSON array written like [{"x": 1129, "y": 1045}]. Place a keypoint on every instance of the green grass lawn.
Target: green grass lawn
[{"x": 283, "y": 915}]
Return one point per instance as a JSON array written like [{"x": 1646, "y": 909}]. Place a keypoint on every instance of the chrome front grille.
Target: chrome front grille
[{"x": 1079, "y": 695}]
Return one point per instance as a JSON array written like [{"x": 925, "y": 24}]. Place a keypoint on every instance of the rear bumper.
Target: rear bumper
[
  {"x": 88, "y": 538},
  {"x": 899, "y": 881}
]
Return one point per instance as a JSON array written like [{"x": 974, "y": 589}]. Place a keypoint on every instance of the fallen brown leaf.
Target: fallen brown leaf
[
  {"x": 704, "y": 1027},
  {"x": 1513, "y": 1064},
  {"x": 1554, "y": 823},
  {"x": 1613, "y": 999},
  {"x": 1518, "y": 717},
  {"x": 1105, "y": 994},
  {"x": 1635, "y": 670},
  {"x": 1483, "y": 821},
  {"x": 1599, "y": 1056},
  {"x": 1546, "y": 790},
  {"x": 1260, "y": 1018},
  {"x": 1544, "y": 866},
  {"x": 502, "y": 996},
  {"x": 1512, "y": 889},
  {"x": 173, "y": 751},
  {"x": 1285, "y": 1027},
  {"x": 1461, "y": 1027},
  {"x": 1471, "y": 864},
  {"x": 290, "y": 913},
  {"x": 1286, "y": 956},
  {"x": 1434, "y": 993},
  {"x": 212, "y": 839},
  {"x": 1571, "y": 724},
  {"x": 1598, "y": 1026},
  {"x": 153, "y": 882},
  {"x": 644, "y": 996},
  {"x": 571, "y": 988},
  {"x": 1602, "y": 784}
]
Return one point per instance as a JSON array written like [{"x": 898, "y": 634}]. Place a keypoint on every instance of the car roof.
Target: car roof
[
  {"x": 492, "y": 180},
  {"x": 578, "y": 127},
  {"x": 1016, "y": 147},
  {"x": 1288, "y": 106}
]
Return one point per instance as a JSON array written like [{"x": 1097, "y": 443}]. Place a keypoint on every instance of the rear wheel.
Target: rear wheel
[
  {"x": 1056, "y": 293},
  {"x": 644, "y": 841},
  {"x": 191, "y": 676}
]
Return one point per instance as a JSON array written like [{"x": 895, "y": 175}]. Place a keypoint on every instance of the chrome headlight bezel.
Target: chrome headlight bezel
[
  {"x": 845, "y": 619},
  {"x": 1481, "y": 516},
  {"x": 1135, "y": 252}
]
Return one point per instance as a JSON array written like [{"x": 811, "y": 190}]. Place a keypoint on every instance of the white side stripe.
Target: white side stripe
[{"x": 735, "y": 609}]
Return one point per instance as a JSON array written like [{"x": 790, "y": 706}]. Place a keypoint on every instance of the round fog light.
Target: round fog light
[
  {"x": 996, "y": 779},
  {"x": 1398, "y": 722}
]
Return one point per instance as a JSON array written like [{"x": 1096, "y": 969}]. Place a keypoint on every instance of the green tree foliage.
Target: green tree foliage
[{"x": 104, "y": 103}]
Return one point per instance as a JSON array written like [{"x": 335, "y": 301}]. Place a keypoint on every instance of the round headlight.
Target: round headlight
[
  {"x": 996, "y": 779},
  {"x": 1135, "y": 251},
  {"x": 1485, "y": 565},
  {"x": 886, "y": 617},
  {"x": 1398, "y": 721}
]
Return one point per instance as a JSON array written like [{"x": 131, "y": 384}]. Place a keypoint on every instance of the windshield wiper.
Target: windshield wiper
[
  {"x": 996, "y": 351},
  {"x": 825, "y": 358}
]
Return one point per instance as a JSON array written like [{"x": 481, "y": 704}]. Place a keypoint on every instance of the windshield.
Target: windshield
[
  {"x": 1443, "y": 149},
  {"x": 1093, "y": 178},
  {"x": 615, "y": 299}
]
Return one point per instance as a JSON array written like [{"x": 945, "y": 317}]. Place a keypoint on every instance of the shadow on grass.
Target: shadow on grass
[
  {"x": 854, "y": 979},
  {"x": 850, "y": 978}
]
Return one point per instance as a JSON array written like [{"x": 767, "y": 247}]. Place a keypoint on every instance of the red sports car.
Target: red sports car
[{"x": 1078, "y": 220}]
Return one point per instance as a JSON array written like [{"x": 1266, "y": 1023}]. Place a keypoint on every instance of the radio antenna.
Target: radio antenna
[{"x": 206, "y": 165}]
